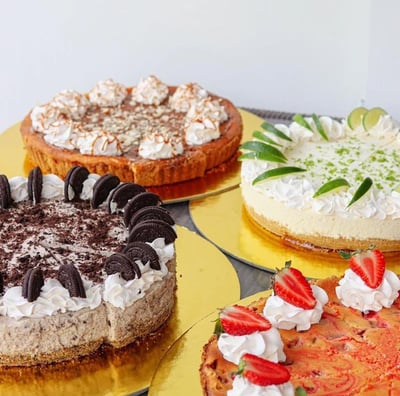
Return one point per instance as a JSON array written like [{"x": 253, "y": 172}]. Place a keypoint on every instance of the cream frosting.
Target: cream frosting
[
  {"x": 71, "y": 103},
  {"x": 186, "y": 95},
  {"x": 201, "y": 130},
  {"x": 44, "y": 116},
  {"x": 61, "y": 134},
  {"x": 286, "y": 316},
  {"x": 242, "y": 387},
  {"x": 150, "y": 90},
  {"x": 207, "y": 108},
  {"x": 54, "y": 298},
  {"x": 160, "y": 144},
  {"x": 108, "y": 93},
  {"x": 353, "y": 292},
  {"x": 98, "y": 143},
  {"x": 267, "y": 344}
]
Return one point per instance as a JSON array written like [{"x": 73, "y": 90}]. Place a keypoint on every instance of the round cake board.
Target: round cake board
[
  {"x": 178, "y": 371},
  {"x": 223, "y": 220}
]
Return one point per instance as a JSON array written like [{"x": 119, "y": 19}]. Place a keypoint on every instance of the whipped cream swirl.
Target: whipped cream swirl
[
  {"x": 122, "y": 293},
  {"x": 44, "y": 116},
  {"x": 287, "y": 316},
  {"x": 98, "y": 142},
  {"x": 207, "y": 108},
  {"x": 108, "y": 93},
  {"x": 71, "y": 103},
  {"x": 201, "y": 130},
  {"x": 187, "y": 95},
  {"x": 160, "y": 144},
  {"x": 54, "y": 298},
  {"x": 267, "y": 344},
  {"x": 242, "y": 387},
  {"x": 150, "y": 91},
  {"x": 354, "y": 293}
]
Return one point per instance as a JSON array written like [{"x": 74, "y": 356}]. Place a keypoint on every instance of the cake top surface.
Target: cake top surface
[
  {"x": 349, "y": 172},
  {"x": 71, "y": 244},
  {"x": 150, "y": 120}
]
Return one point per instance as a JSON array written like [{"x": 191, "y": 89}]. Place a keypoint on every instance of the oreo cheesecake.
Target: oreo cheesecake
[{"x": 84, "y": 262}]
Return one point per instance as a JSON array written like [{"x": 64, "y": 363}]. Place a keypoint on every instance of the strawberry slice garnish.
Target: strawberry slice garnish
[
  {"x": 240, "y": 320},
  {"x": 291, "y": 285},
  {"x": 262, "y": 372},
  {"x": 369, "y": 265}
]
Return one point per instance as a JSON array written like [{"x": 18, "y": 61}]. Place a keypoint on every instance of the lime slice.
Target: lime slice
[
  {"x": 262, "y": 156},
  {"x": 361, "y": 190},
  {"x": 261, "y": 136},
  {"x": 302, "y": 121},
  {"x": 260, "y": 147},
  {"x": 270, "y": 128},
  {"x": 355, "y": 118},
  {"x": 277, "y": 172},
  {"x": 371, "y": 118},
  {"x": 319, "y": 126},
  {"x": 331, "y": 185}
]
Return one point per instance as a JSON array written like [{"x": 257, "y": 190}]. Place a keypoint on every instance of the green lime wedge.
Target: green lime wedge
[
  {"x": 277, "y": 172},
  {"x": 319, "y": 126},
  {"x": 371, "y": 118},
  {"x": 262, "y": 136},
  {"x": 354, "y": 119},
  {"x": 253, "y": 155},
  {"x": 261, "y": 147},
  {"x": 361, "y": 190},
  {"x": 270, "y": 128},
  {"x": 301, "y": 121},
  {"x": 331, "y": 185}
]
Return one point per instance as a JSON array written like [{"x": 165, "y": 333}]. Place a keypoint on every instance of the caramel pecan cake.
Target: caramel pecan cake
[
  {"x": 151, "y": 134},
  {"x": 84, "y": 262},
  {"x": 336, "y": 336},
  {"x": 322, "y": 184}
]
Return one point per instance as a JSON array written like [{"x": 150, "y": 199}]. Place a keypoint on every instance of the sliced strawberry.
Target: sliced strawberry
[
  {"x": 369, "y": 265},
  {"x": 262, "y": 372},
  {"x": 291, "y": 285},
  {"x": 239, "y": 320}
]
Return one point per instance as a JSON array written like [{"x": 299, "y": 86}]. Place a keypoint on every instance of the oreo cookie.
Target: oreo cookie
[
  {"x": 144, "y": 252},
  {"x": 121, "y": 263},
  {"x": 35, "y": 185},
  {"x": 140, "y": 201},
  {"x": 5, "y": 192},
  {"x": 102, "y": 188},
  {"x": 73, "y": 184},
  {"x": 150, "y": 213},
  {"x": 32, "y": 284},
  {"x": 70, "y": 278},
  {"x": 149, "y": 230},
  {"x": 122, "y": 194}
]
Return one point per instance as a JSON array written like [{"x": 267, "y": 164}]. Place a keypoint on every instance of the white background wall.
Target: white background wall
[{"x": 307, "y": 56}]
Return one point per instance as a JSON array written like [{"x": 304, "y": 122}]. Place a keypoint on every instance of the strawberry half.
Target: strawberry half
[
  {"x": 291, "y": 285},
  {"x": 239, "y": 320},
  {"x": 369, "y": 265},
  {"x": 262, "y": 372}
]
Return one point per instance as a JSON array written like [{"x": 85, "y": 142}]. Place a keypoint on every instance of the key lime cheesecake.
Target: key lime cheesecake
[
  {"x": 151, "y": 134},
  {"x": 325, "y": 184},
  {"x": 85, "y": 263}
]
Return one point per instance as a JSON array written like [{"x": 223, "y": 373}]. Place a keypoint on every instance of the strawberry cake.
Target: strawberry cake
[
  {"x": 337, "y": 336},
  {"x": 84, "y": 262},
  {"x": 322, "y": 184},
  {"x": 151, "y": 134}
]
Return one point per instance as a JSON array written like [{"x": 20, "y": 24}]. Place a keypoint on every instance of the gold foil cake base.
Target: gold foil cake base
[{"x": 223, "y": 220}]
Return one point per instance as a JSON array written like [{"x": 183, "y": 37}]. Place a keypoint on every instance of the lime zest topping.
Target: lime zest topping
[
  {"x": 371, "y": 117},
  {"x": 361, "y": 190},
  {"x": 277, "y": 172},
  {"x": 302, "y": 121},
  {"x": 331, "y": 185},
  {"x": 253, "y": 155},
  {"x": 262, "y": 136},
  {"x": 260, "y": 147},
  {"x": 270, "y": 128},
  {"x": 319, "y": 126},
  {"x": 354, "y": 119}
]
